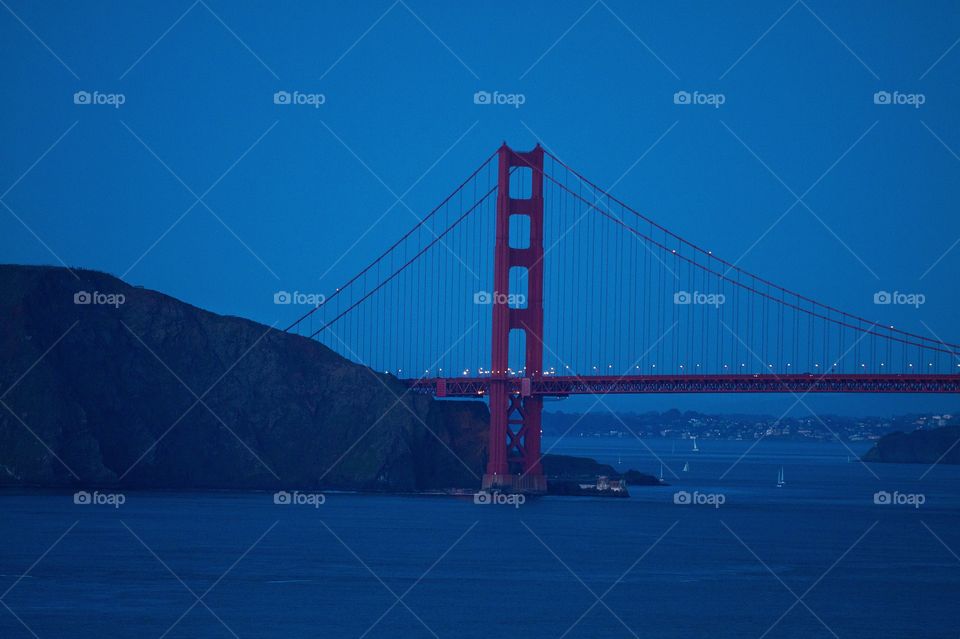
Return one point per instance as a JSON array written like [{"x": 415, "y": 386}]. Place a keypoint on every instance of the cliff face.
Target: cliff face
[
  {"x": 919, "y": 447},
  {"x": 154, "y": 392}
]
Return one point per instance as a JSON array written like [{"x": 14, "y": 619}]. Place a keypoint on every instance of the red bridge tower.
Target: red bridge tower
[{"x": 515, "y": 418}]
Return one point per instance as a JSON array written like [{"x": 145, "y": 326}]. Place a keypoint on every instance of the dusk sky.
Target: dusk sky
[{"x": 190, "y": 180}]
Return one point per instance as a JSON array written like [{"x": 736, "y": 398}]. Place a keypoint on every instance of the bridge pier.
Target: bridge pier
[{"x": 515, "y": 418}]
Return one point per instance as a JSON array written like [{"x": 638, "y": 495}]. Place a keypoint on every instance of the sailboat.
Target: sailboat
[
  {"x": 780, "y": 480},
  {"x": 661, "y": 473},
  {"x": 686, "y": 467},
  {"x": 695, "y": 449}
]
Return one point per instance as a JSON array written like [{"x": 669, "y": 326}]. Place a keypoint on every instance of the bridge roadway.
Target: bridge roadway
[{"x": 564, "y": 385}]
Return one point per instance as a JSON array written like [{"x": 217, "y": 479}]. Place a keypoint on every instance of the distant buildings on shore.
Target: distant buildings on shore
[{"x": 690, "y": 425}]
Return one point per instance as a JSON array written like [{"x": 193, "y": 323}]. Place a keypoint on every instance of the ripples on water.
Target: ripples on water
[{"x": 403, "y": 566}]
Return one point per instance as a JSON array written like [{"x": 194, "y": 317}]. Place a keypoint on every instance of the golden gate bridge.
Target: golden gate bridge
[{"x": 530, "y": 281}]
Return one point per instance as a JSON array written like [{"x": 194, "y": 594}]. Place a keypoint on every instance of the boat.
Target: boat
[
  {"x": 661, "y": 473},
  {"x": 686, "y": 467},
  {"x": 780, "y": 480},
  {"x": 695, "y": 449}
]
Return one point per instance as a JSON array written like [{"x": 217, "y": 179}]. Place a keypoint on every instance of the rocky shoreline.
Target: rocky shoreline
[{"x": 934, "y": 446}]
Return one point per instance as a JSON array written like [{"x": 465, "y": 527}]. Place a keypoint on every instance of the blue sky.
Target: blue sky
[{"x": 285, "y": 188}]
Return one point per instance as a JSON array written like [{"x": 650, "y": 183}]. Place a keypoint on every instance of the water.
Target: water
[{"x": 464, "y": 570}]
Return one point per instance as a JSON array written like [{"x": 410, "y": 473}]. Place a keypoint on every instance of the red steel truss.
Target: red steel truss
[{"x": 562, "y": 386}]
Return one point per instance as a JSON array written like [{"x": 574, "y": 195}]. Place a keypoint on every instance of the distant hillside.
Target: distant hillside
[
  {"x": 675, "y": 424},
  {"x": 918, "y": 447},
  {"x": 101, "y": 397}
]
